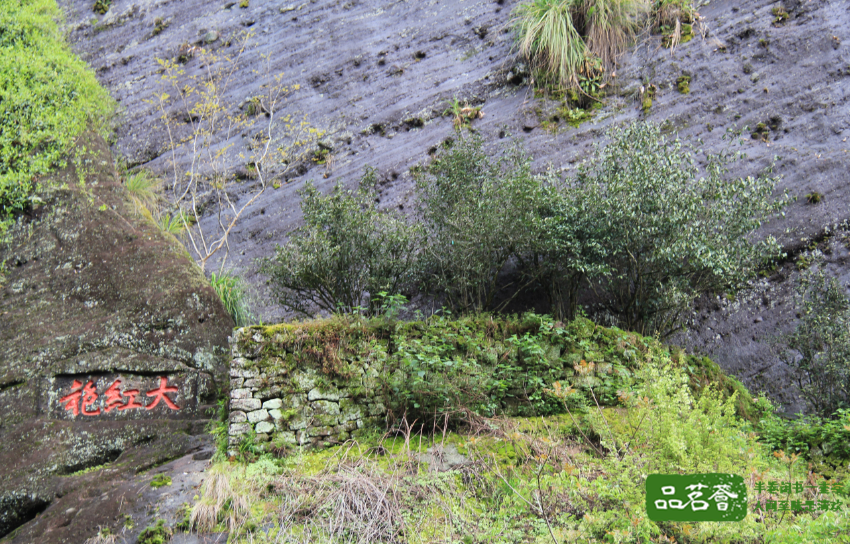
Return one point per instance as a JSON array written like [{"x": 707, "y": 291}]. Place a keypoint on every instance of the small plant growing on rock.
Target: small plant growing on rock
[
  {"x": 780, "y": 16},
  {"x": 159, "y": 24},
  {"x": 243, "y": 4},
  {"x": 156, "y": 534},
  {"x": 160, "y": 480},
  {"x": 101, "y": 6},
  {"x": 462, "y": 115},
  {"x": 762, "y": 132},
  {"x": 103, "y": 536},
  {"x": 814, "y": 197},
  {"x": 684, "y": 84}
]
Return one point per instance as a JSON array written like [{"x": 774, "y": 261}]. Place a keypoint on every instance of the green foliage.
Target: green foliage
[
  {"x": 156, "y": 534},
  {"x": 142, "y": 187},
  {"x": 550, "y": 33},
  {"x": 101, "y": 6},
  {"x": 810, "y": 436},
  {"x": 347, "y": 251},
  {"x": 662, "y": 230},
  {"x": 549, "y": 39},
  {"x": 462, "y": 115},
  {"x": 160, "y": 480},
  {"x": 49, "y": 98},
  {"x": 577, "y": 478},
  {"x": 819, "y": 348},
  {"x": 231, "y": 291},
  {"x": 479, "y": 215}
]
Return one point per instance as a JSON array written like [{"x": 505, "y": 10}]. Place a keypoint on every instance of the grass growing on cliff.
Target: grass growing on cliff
[
  {"x": 49, "y": 97},
  {"x": 231, "y": 290}
]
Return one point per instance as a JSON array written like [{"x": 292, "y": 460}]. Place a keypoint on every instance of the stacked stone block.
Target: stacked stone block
[{"x": 300, "y": 407}]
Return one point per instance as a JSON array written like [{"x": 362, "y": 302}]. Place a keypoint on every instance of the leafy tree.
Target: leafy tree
[
  {"x": 819, "y": 348},
  {"x": 346, "y": 253},
  {"x": 665, "y": 230},
  {"x": 481, "y": 216}
]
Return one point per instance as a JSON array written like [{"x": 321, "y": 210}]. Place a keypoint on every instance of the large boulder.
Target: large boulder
[{"x": 112, "y": 349}]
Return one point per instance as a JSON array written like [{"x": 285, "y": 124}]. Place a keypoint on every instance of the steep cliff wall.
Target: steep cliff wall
[{"x": 378, "y": 76}]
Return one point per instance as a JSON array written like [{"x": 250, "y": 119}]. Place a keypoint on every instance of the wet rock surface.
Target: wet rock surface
[
  {"x": 377, "y": 76},
  {"x": 112, "y": 352}
]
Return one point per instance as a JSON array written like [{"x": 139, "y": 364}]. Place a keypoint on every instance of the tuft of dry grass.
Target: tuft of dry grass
[
  {"x": 104, "y": 536},
  {"x": 221, "y": 502},
  {"x": 611, "y": 25}
]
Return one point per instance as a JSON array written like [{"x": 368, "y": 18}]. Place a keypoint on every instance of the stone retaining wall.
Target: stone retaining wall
[{"x": 300, "y": 405}]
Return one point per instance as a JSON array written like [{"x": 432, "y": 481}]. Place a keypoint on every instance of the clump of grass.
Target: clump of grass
[
  {"x": 814, "y": 197},
  {"x": 175, "y": 224},
  {"x": 156, "y": 534},
  {"x": 549, "y": 39},
  {"x": 104, "y": 536},
  {"x": 611, "y": 25},
  {"x": 463, "y": 115},
  {"x": 142, "y": 187},
  {"x": 231, "y": 290},
  {"x": 222, "y": 501}
]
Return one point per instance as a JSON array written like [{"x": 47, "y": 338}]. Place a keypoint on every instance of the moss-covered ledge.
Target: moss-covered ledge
[{"x": 321, "y": 382}]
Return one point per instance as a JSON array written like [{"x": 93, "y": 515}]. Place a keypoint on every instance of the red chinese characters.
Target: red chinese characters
[
  {"x": 83, "y": 398},
  {"x": 159, "y": 395}
]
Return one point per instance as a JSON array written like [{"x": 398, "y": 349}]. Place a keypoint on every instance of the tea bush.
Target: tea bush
[
  {"x": 819, "y": 348},
  {"x": 480, "y": 215},
  {"x": 666, "y": 230},
  {"x": 346, "y": 253}
]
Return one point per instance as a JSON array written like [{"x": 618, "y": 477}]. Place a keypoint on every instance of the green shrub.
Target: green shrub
[
  {"x": 49, "y": 98},
  {"x": 480, "y": 216},
  {"x": 347, "y": 252},
  {"x": 231, "y": 291},
  {"x": 810, "y": 435},
  {"x": 819, "y": 348},
  {"x": 666, "y": 231}
]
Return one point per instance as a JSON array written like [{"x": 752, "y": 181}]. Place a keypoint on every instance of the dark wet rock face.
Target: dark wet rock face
[
  {"x": 111, "y": 350},
  {"x": 377, "y": 76}
]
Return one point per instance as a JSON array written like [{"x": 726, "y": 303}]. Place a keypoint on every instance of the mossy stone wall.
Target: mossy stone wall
[{"x": 303, "y": 406}]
